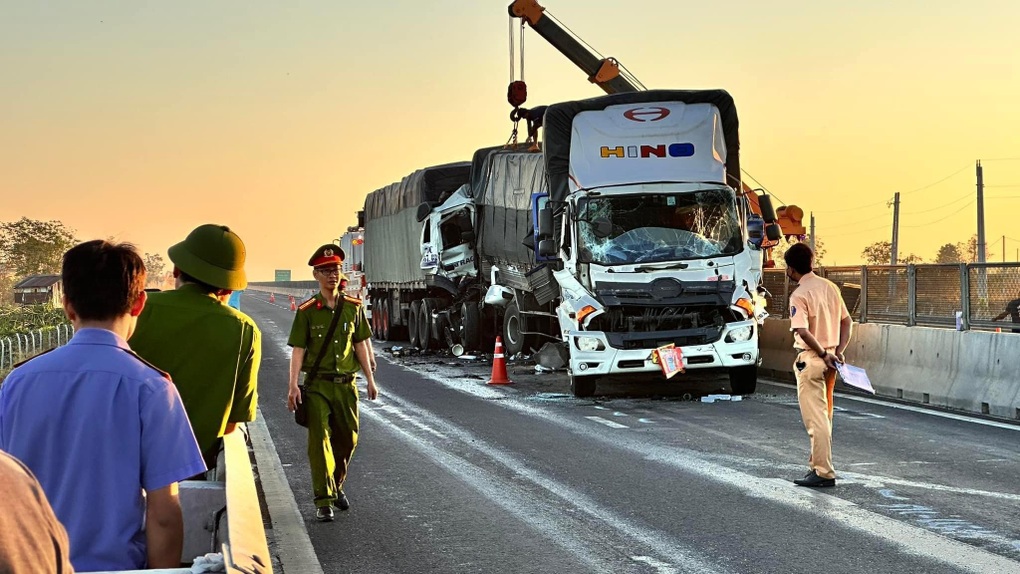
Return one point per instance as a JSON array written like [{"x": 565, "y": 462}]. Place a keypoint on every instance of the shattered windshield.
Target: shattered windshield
[{"x": 647, "y": 228}]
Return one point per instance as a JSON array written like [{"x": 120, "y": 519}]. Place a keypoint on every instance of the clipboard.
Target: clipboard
[{"x": 855, "y": 377}]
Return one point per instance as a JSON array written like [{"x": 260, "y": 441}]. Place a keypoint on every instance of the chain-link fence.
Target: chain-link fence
[
  {"x": 963, "y": 296},
  {"x": 21, "y": 346}
]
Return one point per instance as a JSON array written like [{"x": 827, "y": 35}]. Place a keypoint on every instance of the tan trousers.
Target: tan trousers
[{"x": 815, "y": 383}]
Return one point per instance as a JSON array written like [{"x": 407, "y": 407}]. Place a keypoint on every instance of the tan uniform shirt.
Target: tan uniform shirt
[{"x": 817, "y": 306}]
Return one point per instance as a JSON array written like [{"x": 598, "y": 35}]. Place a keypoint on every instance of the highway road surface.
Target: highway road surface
[{"x": 453, "y": 475}]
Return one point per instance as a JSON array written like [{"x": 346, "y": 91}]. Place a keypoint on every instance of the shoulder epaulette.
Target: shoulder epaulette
[
  {"x": 16, "y": 365},
  {"x": 161, "y": 372},
  {"x": 307, "y": 304},
  {"x": 353, "y": 300}
]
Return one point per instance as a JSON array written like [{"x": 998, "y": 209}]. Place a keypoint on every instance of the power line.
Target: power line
[
  {"x": 954, "y": 174},
  {"x": 859, "y": 231},
  {"x": 885, "y": 203},
  {"x": 1002, "y": 159},
  {"x": 943, "y": 218},
  {"x": 762, "y": 187},
  {"x": 943, "y": 206}
]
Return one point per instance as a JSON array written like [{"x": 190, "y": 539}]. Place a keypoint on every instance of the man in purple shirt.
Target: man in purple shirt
[{"x": 104, "y": 432}]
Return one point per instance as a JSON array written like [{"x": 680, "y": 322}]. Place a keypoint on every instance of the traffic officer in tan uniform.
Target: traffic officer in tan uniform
[
  {"x": 332, "y": 395},
  {"x": 821, "y": 325}
]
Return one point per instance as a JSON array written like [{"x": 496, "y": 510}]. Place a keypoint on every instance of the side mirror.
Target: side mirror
[
  {"x": 361, "y": 219},
  {"x": 424, "y": 209},
  {"x": 773, "y": 232},
  {"x": 545, "y": 223},
  {"x": 547, "y": 248}
]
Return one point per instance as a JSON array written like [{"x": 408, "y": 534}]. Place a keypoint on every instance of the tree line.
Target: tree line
[{"x": 35, "y": 247}]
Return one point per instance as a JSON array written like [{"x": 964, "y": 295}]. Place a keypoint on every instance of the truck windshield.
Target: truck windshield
[{"x": 648, "y": 228}]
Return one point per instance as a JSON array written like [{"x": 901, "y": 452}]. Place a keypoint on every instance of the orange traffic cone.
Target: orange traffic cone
[
  {"x": 998, "y": 329},
  {"x": 499, "y": 376},
  {"x": 272, "y": 297},
  {"x": 293, "y": 305}
]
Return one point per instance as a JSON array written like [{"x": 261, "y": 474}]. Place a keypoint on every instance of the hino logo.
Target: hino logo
[
  {"x": 646, "y": 114},
  {"x": 647, "y": 151}
]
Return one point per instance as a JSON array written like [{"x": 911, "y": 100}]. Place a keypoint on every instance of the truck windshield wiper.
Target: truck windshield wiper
[{"x": 661, "y": 266}]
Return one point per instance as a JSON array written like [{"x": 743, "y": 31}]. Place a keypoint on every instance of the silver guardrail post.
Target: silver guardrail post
[
  {"x": 246, "y": 549},
  {"x": 965, "y": 295},
  {"x": 911, "y": 295}
]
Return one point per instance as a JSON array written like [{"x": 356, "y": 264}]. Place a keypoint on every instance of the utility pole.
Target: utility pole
[
  {"x": 980, "y": 213},
  {"x": 813, "y": 233},
  {"x": 1003, "y": 248},
  {"x": 895, "y": 230}
]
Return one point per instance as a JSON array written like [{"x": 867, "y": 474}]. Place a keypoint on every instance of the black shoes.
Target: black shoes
[
  {"x": 341, "y": 501},
  {"x": 324, "y": 514},
  {"x": 813, "y": 480}
]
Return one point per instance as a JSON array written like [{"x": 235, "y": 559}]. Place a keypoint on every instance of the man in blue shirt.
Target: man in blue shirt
[{"x": 105, "y": 433}]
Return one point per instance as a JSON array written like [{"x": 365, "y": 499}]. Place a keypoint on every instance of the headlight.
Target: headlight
[
  {"x": 740, "y": 334},
  {"x": 589, "y": 344}
]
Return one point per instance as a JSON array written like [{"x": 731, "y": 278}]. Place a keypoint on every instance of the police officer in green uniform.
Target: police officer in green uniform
[{"x": 332, "y": 395}]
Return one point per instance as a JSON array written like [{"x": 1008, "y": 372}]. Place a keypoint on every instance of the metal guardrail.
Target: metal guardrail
[
  {"x": 962, "y": 296},
  {"x": 21, "y": 346}
]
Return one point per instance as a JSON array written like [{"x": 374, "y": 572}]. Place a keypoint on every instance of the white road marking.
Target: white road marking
[
  {"x": 924, "y": 411},
  {"x": 911, "y": 539},
  {"x": 660, "y": 567},
  {"x": 556, "y": 520},
  {"x": 289, "y": 531},
  {"x": 607, "y": 422}
]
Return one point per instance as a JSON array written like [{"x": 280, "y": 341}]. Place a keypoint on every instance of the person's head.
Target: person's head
[
  {"x": 325, "y": 263},
  {"x": 798, "y": 260},
  {"x": 211, "y": 256},
  {"x": 103, "y": 282}
]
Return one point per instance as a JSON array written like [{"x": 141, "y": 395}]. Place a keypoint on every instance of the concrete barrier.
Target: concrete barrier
[{"x": 972, "y": 371}]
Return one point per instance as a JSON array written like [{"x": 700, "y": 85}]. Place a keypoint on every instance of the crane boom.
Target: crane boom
[{"x": 604, "y": 72}]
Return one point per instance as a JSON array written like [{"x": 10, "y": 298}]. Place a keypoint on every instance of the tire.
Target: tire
[
  {"x": 413, "y": 329},
  {"x": 424, "y": 320},
  {"x": 744, "y": 380},
  {"x": 513, "y": 324},
  {"x": 582, "y": 386},
  {"x": 470, "y": 326}
]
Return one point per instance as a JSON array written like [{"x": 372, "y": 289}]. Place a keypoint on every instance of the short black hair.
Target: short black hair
[
  {"x": 102, "y": 280},
  {"x": 798, "y": 257},
  {"x": 205, "y": 287}
]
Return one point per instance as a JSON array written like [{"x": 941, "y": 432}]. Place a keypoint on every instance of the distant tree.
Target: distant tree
[
  {"x": 910, "y": 259},
  {"x": 155, "y": 267},
  {"x": 878, "y": 253},
  {"x": 32, "y": 247},
  {"x": 949, "y": 253},
  {"x": 970, "y": 249},
  {"x": 777, "y": 253}
]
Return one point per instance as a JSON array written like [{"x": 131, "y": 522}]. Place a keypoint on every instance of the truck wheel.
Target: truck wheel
[
  {"x": 743, "y": 380},
  {"x": 513, "y": 325},
  {"x": 470, "y": 326},
  {"x": 582, "y": 386},
  {"x": 413, "y": 328},
  {"x": 425, "y": 324}
]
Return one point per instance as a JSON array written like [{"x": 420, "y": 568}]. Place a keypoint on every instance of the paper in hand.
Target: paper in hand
[{"x": 855, "y": 377}]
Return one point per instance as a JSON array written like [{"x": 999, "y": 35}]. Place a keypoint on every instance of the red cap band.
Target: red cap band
[{"x": 331, "y": 260}]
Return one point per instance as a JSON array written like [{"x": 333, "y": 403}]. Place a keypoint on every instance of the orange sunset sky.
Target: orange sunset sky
[{"x": 140, "y": 120}]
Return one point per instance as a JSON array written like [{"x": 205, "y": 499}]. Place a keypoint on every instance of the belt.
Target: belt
[{"x": 336, "y": 378}]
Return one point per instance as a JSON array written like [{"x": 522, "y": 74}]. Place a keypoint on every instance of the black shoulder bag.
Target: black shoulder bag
[{"x": 301, "y": 412}]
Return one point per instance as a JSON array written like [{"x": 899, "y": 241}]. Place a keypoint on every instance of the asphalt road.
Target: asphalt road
[{"x": 453, "y": 475}]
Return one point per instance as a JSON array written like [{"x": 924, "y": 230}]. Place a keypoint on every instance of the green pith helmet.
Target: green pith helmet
[{"x": 212, "y": 254}]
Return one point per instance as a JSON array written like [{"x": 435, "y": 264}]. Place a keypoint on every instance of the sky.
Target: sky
[{"x": 139, "y": 121}]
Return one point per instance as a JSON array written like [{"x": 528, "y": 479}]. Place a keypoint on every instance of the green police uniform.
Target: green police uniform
[{"x": 332, "y": 396}]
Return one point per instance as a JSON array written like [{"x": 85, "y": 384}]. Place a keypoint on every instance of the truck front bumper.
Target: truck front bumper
[{"x": 606, "y": 360}]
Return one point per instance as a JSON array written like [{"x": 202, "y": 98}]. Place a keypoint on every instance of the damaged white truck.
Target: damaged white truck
[{"x": 626, "y": 233}]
